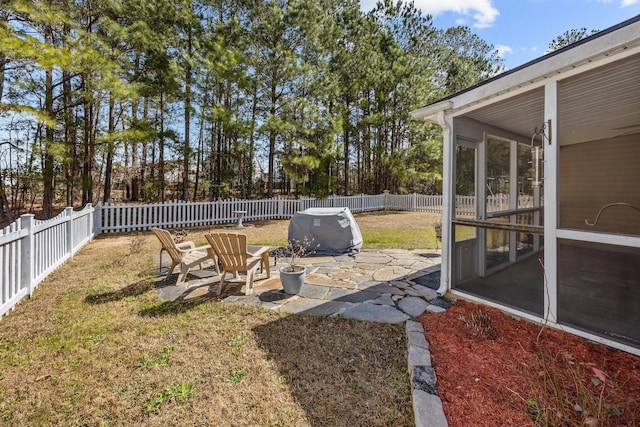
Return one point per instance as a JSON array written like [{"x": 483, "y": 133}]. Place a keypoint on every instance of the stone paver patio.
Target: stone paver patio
[{"x": 386, "y": 286}]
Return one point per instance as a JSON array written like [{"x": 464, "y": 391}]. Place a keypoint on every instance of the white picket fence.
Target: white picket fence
[
  {"x": 466, "y": 205},
  {"x": 31, "y": 249}
]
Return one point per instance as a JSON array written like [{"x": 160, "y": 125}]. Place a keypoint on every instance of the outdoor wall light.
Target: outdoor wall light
[{"x": 537, "y": 153}]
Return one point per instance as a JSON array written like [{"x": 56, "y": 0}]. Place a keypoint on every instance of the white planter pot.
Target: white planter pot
[{"x": 292, "y": 280}]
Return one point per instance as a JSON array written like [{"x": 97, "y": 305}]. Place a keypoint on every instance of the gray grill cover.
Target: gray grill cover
[{"x": 334, "y": 230}]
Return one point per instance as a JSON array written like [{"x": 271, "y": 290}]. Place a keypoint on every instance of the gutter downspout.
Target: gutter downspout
[{"x": 447, "y": 197}]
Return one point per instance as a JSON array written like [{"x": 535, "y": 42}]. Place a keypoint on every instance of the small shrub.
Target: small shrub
[
  {"x": 480, "y": 325},
  {"x": 294, "y": 252},
  {"x": 135, "y": 247},
  {"x": 180, "y": 236}
]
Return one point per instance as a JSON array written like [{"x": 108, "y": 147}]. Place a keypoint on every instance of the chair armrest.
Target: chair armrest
[
  {"x": 196, "y": 248},
  {"x": 259, "y": 252},
  {"x": 188, "y": 244}
]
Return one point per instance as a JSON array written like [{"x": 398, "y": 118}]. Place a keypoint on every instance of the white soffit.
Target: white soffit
[{"x": 602, "y": 103}]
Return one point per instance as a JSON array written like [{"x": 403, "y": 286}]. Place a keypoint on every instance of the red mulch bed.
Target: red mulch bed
[{"x": 485, "y": 376}]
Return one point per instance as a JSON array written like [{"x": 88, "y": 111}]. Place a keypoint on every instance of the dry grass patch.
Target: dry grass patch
[{"x": 95, "y": 346}]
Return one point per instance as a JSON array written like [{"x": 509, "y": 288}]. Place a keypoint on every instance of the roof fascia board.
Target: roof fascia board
[{"x": 430, "y": 112}]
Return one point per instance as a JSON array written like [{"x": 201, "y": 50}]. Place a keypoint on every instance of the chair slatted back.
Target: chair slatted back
[
  {"x": 231, "y": 249},
  {"x": 168, "y": 244}
]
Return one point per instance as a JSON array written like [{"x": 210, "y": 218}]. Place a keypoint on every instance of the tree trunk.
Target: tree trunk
[
  {"x": 272, "y": 144},
  {"x": 196, "y": 182},
  {"x": 3, "y": 59},
  {"x": 69, "y": 136},
  {"x": 110, "y": 149},
  {"x": 6, "y": 208},
  {"x": 161, "y": 180},
  {"x": 347, "y": 126},
  {"x": 135, "y": 170},
  {"x": 48, "y": 176},
  {"x": 87, "y": 161},
  {"x": 187, "y": 123},
  {"x": 254, "y": 109}
]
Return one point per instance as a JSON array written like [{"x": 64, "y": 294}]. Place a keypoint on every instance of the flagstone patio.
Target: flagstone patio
[{"x": 386, "y": 286}]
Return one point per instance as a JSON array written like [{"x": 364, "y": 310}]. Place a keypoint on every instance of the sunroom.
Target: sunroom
[{"x": 541, "y": 189}]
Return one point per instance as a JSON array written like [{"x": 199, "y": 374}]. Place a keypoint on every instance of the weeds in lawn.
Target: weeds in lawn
[
  {"x": 162, "y": 360},
  {"x": 9, "y": 415},
  {"x": 178, "y": 392},
  {"x": 237, "y": 340},
  {"x": 236, "y": 375},
  {"x": 281, "y": 381},
  {"x": 572, "y": 393}
]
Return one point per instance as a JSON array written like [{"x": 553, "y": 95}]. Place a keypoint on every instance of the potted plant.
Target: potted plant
[{"x": 292, "y": 274}]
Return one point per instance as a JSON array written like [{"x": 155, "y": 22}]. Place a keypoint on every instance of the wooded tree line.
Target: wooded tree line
[{"x": 148, "y": 100}]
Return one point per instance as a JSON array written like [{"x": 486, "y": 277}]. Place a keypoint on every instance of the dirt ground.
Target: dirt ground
[{"x": 499, "y": 370}]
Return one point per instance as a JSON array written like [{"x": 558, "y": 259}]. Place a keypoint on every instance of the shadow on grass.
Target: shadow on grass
[
  {"x": 341, "y": 372},
  {"x": 133, "y": 290},
  {"x": 170, "y": 308},
  {"x": 172, "y": 299}
]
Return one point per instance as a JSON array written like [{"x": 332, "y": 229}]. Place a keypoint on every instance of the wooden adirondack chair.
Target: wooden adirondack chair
[
  {"x": 232, "y": 252},
  {"x": 185, "y": 254}
]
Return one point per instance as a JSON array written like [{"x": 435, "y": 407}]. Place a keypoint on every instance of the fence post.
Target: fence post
[
  {"x": 96, "y": 220},
  {"x": 174, "y": 213},
  {"x": 26, "y": 255},
  {"x": 68, "y": 212},
  {"x": 90, "y": 224}
]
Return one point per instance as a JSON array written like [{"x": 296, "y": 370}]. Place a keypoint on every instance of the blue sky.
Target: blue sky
[{"x": 522, "y": 29}]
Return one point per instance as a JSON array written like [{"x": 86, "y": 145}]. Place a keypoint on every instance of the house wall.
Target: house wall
[{"x": 597, "y": 173}]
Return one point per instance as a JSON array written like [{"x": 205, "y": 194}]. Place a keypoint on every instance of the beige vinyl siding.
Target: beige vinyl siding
[{"x": 597, "y": 173}]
